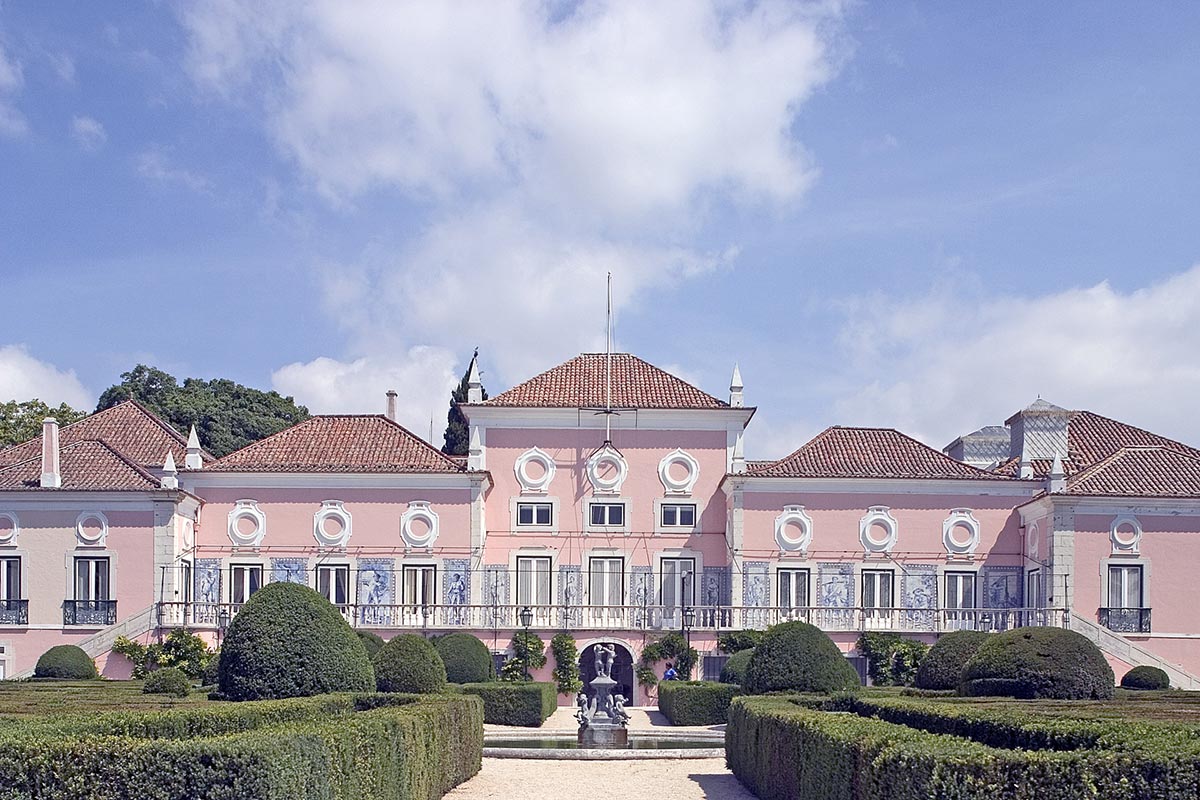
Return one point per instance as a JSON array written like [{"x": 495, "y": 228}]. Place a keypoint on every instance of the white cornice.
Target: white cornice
[
  {"x": 699, "y": 419},
  {"x": 74, "y": 501},
  {"x": 339, "y": 480},
  {"x": 981, "y": 488},
  {"x": 1142, "y": 506}
]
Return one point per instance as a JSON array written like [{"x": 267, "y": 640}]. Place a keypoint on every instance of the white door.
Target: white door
[
  {"x": 533, "y": 587},
  {"x": 960, "y": 600},
  {"x": 333, "y": 582},
  {"x": 792, "y": 595},
  {"x": 678, "y": 589},
  {"x": 419, "y": 594},
  {"x": 877, "y": 599},
  {"x": 246, "y": 580},
  {"x": 606, "y": 590}
]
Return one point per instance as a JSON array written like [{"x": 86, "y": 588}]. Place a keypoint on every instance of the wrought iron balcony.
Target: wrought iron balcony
[
  {"x": 14, "y": 612},
  {"x": 90, "y": 612},
  {"x": 1126, "y": 620}
]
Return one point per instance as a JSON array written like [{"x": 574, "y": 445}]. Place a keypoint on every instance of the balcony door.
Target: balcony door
[
  {"x": 678, "y": 589},
  {"x": 877, "y": 600},
  {"x": 91, "y": 579},
  {"x": 1126, "y": 600},
  {"x": 606, "y": 590},
  {"x": 792, "y": 595},
  {"x": 419, "y": 592},
  {"x": 244, "y": 581},
  {"x": 533, "y": 587},
  {"x": 959, "y": 600},
  {"x": 333, "y": 582}
]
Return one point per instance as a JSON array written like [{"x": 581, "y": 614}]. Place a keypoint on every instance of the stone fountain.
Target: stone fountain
[{"x": 603, "y": 721}]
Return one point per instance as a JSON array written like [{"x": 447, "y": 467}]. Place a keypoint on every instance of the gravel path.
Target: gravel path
[{"x": 526, "y": 779}]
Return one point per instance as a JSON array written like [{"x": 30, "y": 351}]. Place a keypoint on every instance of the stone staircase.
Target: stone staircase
[
  {"x": 1118, "y": 646},
  {"x": 102, "y": 640}
]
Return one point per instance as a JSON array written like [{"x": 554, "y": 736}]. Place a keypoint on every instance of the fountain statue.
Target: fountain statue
[{"x": 603, "y": 718}]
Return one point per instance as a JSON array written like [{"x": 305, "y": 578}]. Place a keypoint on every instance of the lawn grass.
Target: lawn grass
[{"x": 36, "y": 697}]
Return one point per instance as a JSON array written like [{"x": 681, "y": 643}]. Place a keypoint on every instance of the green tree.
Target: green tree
[
  {"x": 21, "y": 421},
  {"x": 227, "y": 415},
  {"x": 458, "y": 435}
]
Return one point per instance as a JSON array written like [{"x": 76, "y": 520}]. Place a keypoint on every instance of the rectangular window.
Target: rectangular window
[
  {"x": 10, "y": 579},
  {"x": 1125, "y": 587},
  {"x": 91, "y": 579},
  {"x": 1033, "y": 588},
  {"x": 245, "y": 580},
  {"x": 793, "y": 589},
  {"x": 419, "y": 585},
  {"x": 678, "y": 585},
  {"x": 185, "y": 581},
  {"x": 535, "y": 514},
  {"x": 533, "y": 581},
  {"x": 960, "y": 590},
  {"x": 608, "y": 515},
  {"x": 678, "y": 515},
  {"x": 333, "y": 582},
  {"x": 877, "y": 588},
  {"x": 606, "y": 582}
]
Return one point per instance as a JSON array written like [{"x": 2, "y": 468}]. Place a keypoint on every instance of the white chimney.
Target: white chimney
[
  {"x": 735, "y": 388},
  {"x": 1058, "y": 479},
  {"x": 475, "y": 450},
  {"x": 474, "y": 385},
  {"x": 193, "y": 460},
  {"x": 391, "y": 404},
  {"x": 170, "y": 478},
  {"x": 51, "y": 469},
  {"x": 737, "y": 464}
]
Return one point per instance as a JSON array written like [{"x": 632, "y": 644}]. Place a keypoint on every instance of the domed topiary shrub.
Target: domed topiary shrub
[
  {"x": 66, "y": 662},
  {"x": 1032, "y": 663},
  {"x": 1146, "y": 677},
  {"x": 409, "y": 663},
  {"x": 372, "y": 641},
  {"x": 734, "y": 670},
  {"x": 289, "y": 641},
  {"x": 943, "y": 665},
  {"x": 466, "y": 658},
  {"x": 796, "y": 656},
  {"x": 170, "y": 681}
]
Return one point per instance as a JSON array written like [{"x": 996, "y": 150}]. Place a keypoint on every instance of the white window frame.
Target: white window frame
[
  {"x": 952, "y": 590},
  {"x": 611, "y": 565},
  {"x": 683, "y": 585},
  {"x": 240, "y": 578},
  {"x": 665, "y": 505},
  {"x": 92, "y": 580},
  {"x": 426, "y": 585},
  {"x": 1033, "y": 589},
  {"x": 1123, "y": 587},
  {"x": 6, "y": 592},
  {"x": 537, "y": 565},
  {"x": 535, "y": 506},
  {"x": 876, "y": 576},
  {"x": 624, "y": 527},
  {"x": 789, "y": 603},
  {"x": 332, "y": 569},
  {"x": 186, "y": 581},
  {"x": 514, "y": 504}
]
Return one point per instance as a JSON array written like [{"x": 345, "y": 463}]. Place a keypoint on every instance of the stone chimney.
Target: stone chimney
[
  {"x": 51, "y": 468},
  {"x": 391, "y": 404},
  {"x": 736, "y": 398},
  {"x": 170, "y": 476},
  {"x": 193, "y": 460},
  {"x": 1037, "y": 433},
  {"x": 474, "y": 385}
]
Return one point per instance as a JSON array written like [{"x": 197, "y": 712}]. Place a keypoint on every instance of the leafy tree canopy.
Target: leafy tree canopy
[
  {"x": 227, "y": 415},
  {"x": 458, "y": 434},
  {"x": 20, "y": 422}
]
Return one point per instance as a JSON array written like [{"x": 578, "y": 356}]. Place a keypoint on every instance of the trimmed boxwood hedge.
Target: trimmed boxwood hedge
[
  {"x": 289, "y": 641},
  {"x": 1146, "y": 677},
  {"x": 397, "y": 746},
  {"x": 796, "y": 656},
  {"x": 943, "y": 665},
  {"x": 409, "y": 663},
  {"x": 527, "y": 704},
  {"x": 696, "y": 702},
  {"x": 66, "y": 662},
  {"x": 372, "y": 642},
  {"x": 735, "y": 668},
  {"x": 467, "y": 659},
  {"x": 1035, "y": 663},
  {"x": 171, "y": 680}
]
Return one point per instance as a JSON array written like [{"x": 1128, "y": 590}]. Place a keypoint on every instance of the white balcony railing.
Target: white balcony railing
[{"x": 644, "y": 617}]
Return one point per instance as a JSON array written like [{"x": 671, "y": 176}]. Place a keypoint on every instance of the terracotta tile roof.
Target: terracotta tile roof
[
  {"x": 1141, "y": 472},
  {"x": 86, "y": 465},
  {"x": 580, "y": 383},
  {"x": 339, "y": 443},
  {"x": 839, "y": 452},
  {"x": 129, "y": 427}
]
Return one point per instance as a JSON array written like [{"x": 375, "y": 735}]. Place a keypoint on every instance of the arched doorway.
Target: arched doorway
[{"x": 622, "y": 671}]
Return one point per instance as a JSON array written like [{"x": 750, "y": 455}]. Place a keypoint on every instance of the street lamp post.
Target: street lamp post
[
  {"x": 689, "y": 620},
  {"x": 526, "y": 616},
  {"x": 425, "y": 611},
  {"x": 222, "y": 623}
]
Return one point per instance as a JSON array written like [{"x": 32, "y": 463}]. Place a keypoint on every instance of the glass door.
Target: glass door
[
  {"x": 606, "y": 591},
  {"x": 678, "y": 589}
]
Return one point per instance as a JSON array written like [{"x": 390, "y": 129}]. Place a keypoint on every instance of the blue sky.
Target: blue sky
[{"x": 911, "y": 215}]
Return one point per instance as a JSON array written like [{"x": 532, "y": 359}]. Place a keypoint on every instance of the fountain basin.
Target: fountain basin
[{"x": 642, "y": 745}]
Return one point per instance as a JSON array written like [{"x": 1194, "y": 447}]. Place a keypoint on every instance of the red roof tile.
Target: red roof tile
[
  {"x": 839, "y": 452},
  {"x": 1141, "y": 472},
  {"x": 580, "y": 383},
  {"x": 129, "y": 427},
  {"x": 339, "y": 443},
  {"x": 87, "y": 465}
]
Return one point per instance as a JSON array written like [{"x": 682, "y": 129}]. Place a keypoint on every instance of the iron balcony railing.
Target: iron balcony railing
[
  {"x": 1125, "y": 620},
  {"x": 90, "y": 612},
  {"x": 14, "y": 612},
  {"x": 643, "y": 617}
]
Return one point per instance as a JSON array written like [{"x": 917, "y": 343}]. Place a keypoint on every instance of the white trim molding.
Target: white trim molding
[
  {"x": 960, "y": 519},
  {"x": 794, "y": 515},
  {"x": 519, "y": 500},
  {"x": 1125, "y": 544},
  {"x": 881, "y": 516},
  {"x": 610, "y": 485},
  {"x": 530, "y": 484},
  {"x": 1033, "y": 540},
  {"x": 9, "y": 536},
  {"x": 336, "y": 510},
  {"x": 419, "y": 510},
  {"x": 247, "y": 509},
  {"x": 84, "y": 538},
  {"x": 675, "y": 486}
]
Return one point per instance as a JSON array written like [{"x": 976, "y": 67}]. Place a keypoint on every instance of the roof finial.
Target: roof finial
[
  {"x": 1057, "y": 479},
  {"x": 736, "y": 399},
  {"x": 474, "y": 384},
  {"x": 170, "y": 477},
  {"x": 193, "y": 459},
  {"x": 475, "y": 450}
]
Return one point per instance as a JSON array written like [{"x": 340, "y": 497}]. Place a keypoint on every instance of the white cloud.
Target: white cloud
[
  {"x": 948, "y": 363},
  {"x": 12, "y": 121},
  {"x": 156, "y": 165},
  {"x": 422, "y": 377},
  {"x": 23, "y": 377},
  {"x": 88, "y": 133}
]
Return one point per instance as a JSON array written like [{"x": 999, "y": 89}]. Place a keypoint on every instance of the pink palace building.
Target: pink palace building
[{"x": 615, "y": 527}]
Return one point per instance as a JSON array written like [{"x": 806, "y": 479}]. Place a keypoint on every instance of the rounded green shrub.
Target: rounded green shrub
[
  {"x": 373, "y": 642},
  {"x": 409, "y": 663},
  {"x": 66, "y": 662},
  {"x": 1034, "y": 663},
  {"x": 943, "y": 665},
  {"x": 466, "y": 658},
  {"x": 1146, "y": 677},
  {"x": 289, "y": 641},
  {"x": 734, "y": 670},
  {"x": 798, "y": 657},
  {"x": 212, "y": 670},
  {"x": 169, "y": 680}
]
